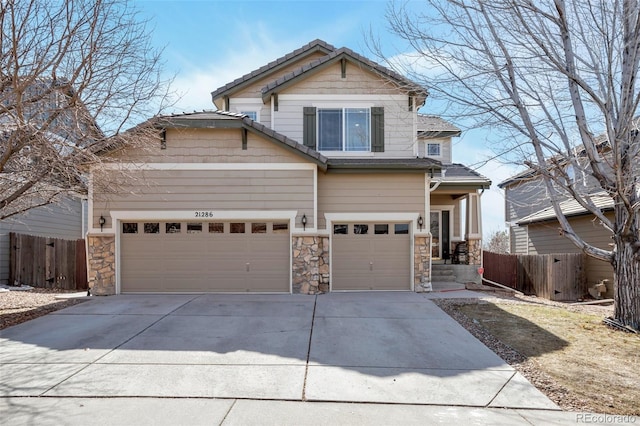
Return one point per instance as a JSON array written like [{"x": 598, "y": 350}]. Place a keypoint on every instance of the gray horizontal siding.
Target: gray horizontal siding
[{"x": 62, "y": 220}]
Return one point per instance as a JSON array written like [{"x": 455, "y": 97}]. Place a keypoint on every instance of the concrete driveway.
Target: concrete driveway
[{"x": 342, "y": 347}]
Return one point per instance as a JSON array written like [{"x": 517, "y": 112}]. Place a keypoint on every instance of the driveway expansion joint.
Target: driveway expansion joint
[{"x": 306, "y": 369}]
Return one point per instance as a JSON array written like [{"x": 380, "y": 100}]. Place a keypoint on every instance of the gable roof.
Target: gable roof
[
  {"x": 272, "y": 67},
  {"x": 569, "y": 208},
  {"x": 230, "y": 120},
  {"x": 432, "y": 126},
  {"x": 332, "y": 58}
]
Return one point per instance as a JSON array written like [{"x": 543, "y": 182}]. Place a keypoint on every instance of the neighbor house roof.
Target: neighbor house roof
[
  {"x": 332, "y": 58},
  {"x": 280, "y": 63},
  {"x": 229, "y": 120},
  {"x": 432, "y": 126},
  {"x": 569, "y": 208}
]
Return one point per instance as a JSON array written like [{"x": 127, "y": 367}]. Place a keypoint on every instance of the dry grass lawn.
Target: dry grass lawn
[{"x": 592, "y": 361}]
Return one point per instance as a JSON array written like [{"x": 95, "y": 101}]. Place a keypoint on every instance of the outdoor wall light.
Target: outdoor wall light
[
  {"x": 304, "y": 222},
  {"x": 102, "y": 222},
  {"x": 420, "y": 222}
]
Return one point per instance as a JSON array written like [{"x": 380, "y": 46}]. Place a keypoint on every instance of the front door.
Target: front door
[{"x": 435, "y": 228}]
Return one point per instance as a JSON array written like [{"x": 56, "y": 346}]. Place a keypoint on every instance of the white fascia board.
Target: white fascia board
[
  {"x": 342, "y": 98},
  {"x": 210, "y": 166},
  {"x": 190, "y": 215},
  {"x": 376, "y": 217}
]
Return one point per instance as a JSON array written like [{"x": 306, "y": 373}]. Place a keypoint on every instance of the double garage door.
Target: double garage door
[
  {"x": 237, "y": 256},
  {"x": 371, "y": 256}
]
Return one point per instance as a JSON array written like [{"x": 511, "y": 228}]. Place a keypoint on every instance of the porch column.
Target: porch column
[{"x": 474, "y": 228}]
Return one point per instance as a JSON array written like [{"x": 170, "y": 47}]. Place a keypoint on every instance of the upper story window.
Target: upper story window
[
  {"x": 251, "y": 114},
  {"x": 359, "y": 129},
  {"x": 434, "y": 150},
  {"x": 344, "y": 129}
]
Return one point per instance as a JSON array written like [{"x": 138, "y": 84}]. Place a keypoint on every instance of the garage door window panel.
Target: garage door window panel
[
  {"x": 340, "y": 229},
  {"x": 129, "y": 228},
  {"x": 259, "y": 228},
  {"x": 379, "y": 229},
  {"x": 280, "y": 228},
  {"x": 173, "y": 227},
  {"x": 152, "y": 228},
  {"x": 216, "y": 228},
  {"x": 401, "y": 228},
  {"x": 237, "y": 228},
  {"x": 361, "y": 229},
  {"x": 194, "y": 228}
]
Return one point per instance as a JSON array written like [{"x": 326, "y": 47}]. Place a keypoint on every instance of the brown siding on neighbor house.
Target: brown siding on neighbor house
[
  {"x": 213, "y": 146},
  {"x": 544, "y": 238},
  {"x": 152, "y": 190},
  {"x": 369, "y": 193}
]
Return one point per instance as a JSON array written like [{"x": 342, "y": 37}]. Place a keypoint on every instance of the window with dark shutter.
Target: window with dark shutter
[
  {"x": 309, "y": 127},
  {"x": 377, "y": 129}
]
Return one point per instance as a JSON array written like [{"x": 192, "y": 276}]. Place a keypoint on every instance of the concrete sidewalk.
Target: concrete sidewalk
[
  {"x": 349, "y": 358},
  {"x": 190, "y": 411}
]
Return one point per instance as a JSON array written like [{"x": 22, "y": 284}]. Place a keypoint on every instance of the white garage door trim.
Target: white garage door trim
[
  {"x": 119, "y": 216},
  {"x": 412, "y": 218}
]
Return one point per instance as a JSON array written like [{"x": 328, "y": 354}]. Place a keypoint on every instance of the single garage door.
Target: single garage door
[
  {"x": 205, "y": 256},
  {"x": 371, "y": 256}
]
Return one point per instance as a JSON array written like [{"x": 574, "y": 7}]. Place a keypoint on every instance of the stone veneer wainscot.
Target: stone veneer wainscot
[
  {"x": 310, "y": 264},
  {"x": 102, "y": 265}
]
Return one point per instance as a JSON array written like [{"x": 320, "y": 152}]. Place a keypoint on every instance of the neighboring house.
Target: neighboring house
[
  {"x": 46, "y": 209},
  {"x": 534, "y": 227},
  {"x": 316, "y": 173},
  {"x": 60, "y": 220}
]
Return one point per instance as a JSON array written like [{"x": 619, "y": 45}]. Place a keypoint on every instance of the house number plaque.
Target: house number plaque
[{"x": 203, "y": 214}]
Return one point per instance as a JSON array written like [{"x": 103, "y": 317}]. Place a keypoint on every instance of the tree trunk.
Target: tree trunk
[{"x": 626, "y": 266}]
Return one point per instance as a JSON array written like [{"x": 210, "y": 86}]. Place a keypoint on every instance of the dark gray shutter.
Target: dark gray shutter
[
  {"x": 309, "y": 127},
  {"x": 377, "y": 129}
]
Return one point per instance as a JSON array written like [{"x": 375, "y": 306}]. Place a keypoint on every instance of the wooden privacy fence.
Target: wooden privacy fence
[
  {"x": 47, "y": 262},
  {"x": 552, "y": 276}
]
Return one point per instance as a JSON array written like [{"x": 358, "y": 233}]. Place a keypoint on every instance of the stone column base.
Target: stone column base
[
  {"x": 421, "y": 264},
  {"x": 102, "y": 264},
  {"x": 475, "y": 251},
  {"x": 310, "y": 267}
]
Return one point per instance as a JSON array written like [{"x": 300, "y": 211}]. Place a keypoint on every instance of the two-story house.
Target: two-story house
[
  {"x": 534, "y": 227},
  {"x": 38, "y": 196},
  {"x": 314, "y": 173}
]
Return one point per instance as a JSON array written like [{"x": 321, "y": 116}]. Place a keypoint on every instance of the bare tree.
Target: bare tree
[
  {"x": 498, "y": 242},
  {"x": 73, "y": 75},
  {"x": 557, "y": 80}
]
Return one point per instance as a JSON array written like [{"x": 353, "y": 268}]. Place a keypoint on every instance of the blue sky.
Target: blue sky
[{"x": 209, "y": 43}]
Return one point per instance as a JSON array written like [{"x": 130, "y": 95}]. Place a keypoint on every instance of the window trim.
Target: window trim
[
  {"x": 344, "y": 109},
  {"x": 426, "y": 149}
]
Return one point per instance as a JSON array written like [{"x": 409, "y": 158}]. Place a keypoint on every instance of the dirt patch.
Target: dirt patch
[
  {"x": 565, "y": 351},
  {"x": 19, "y": 306}
]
